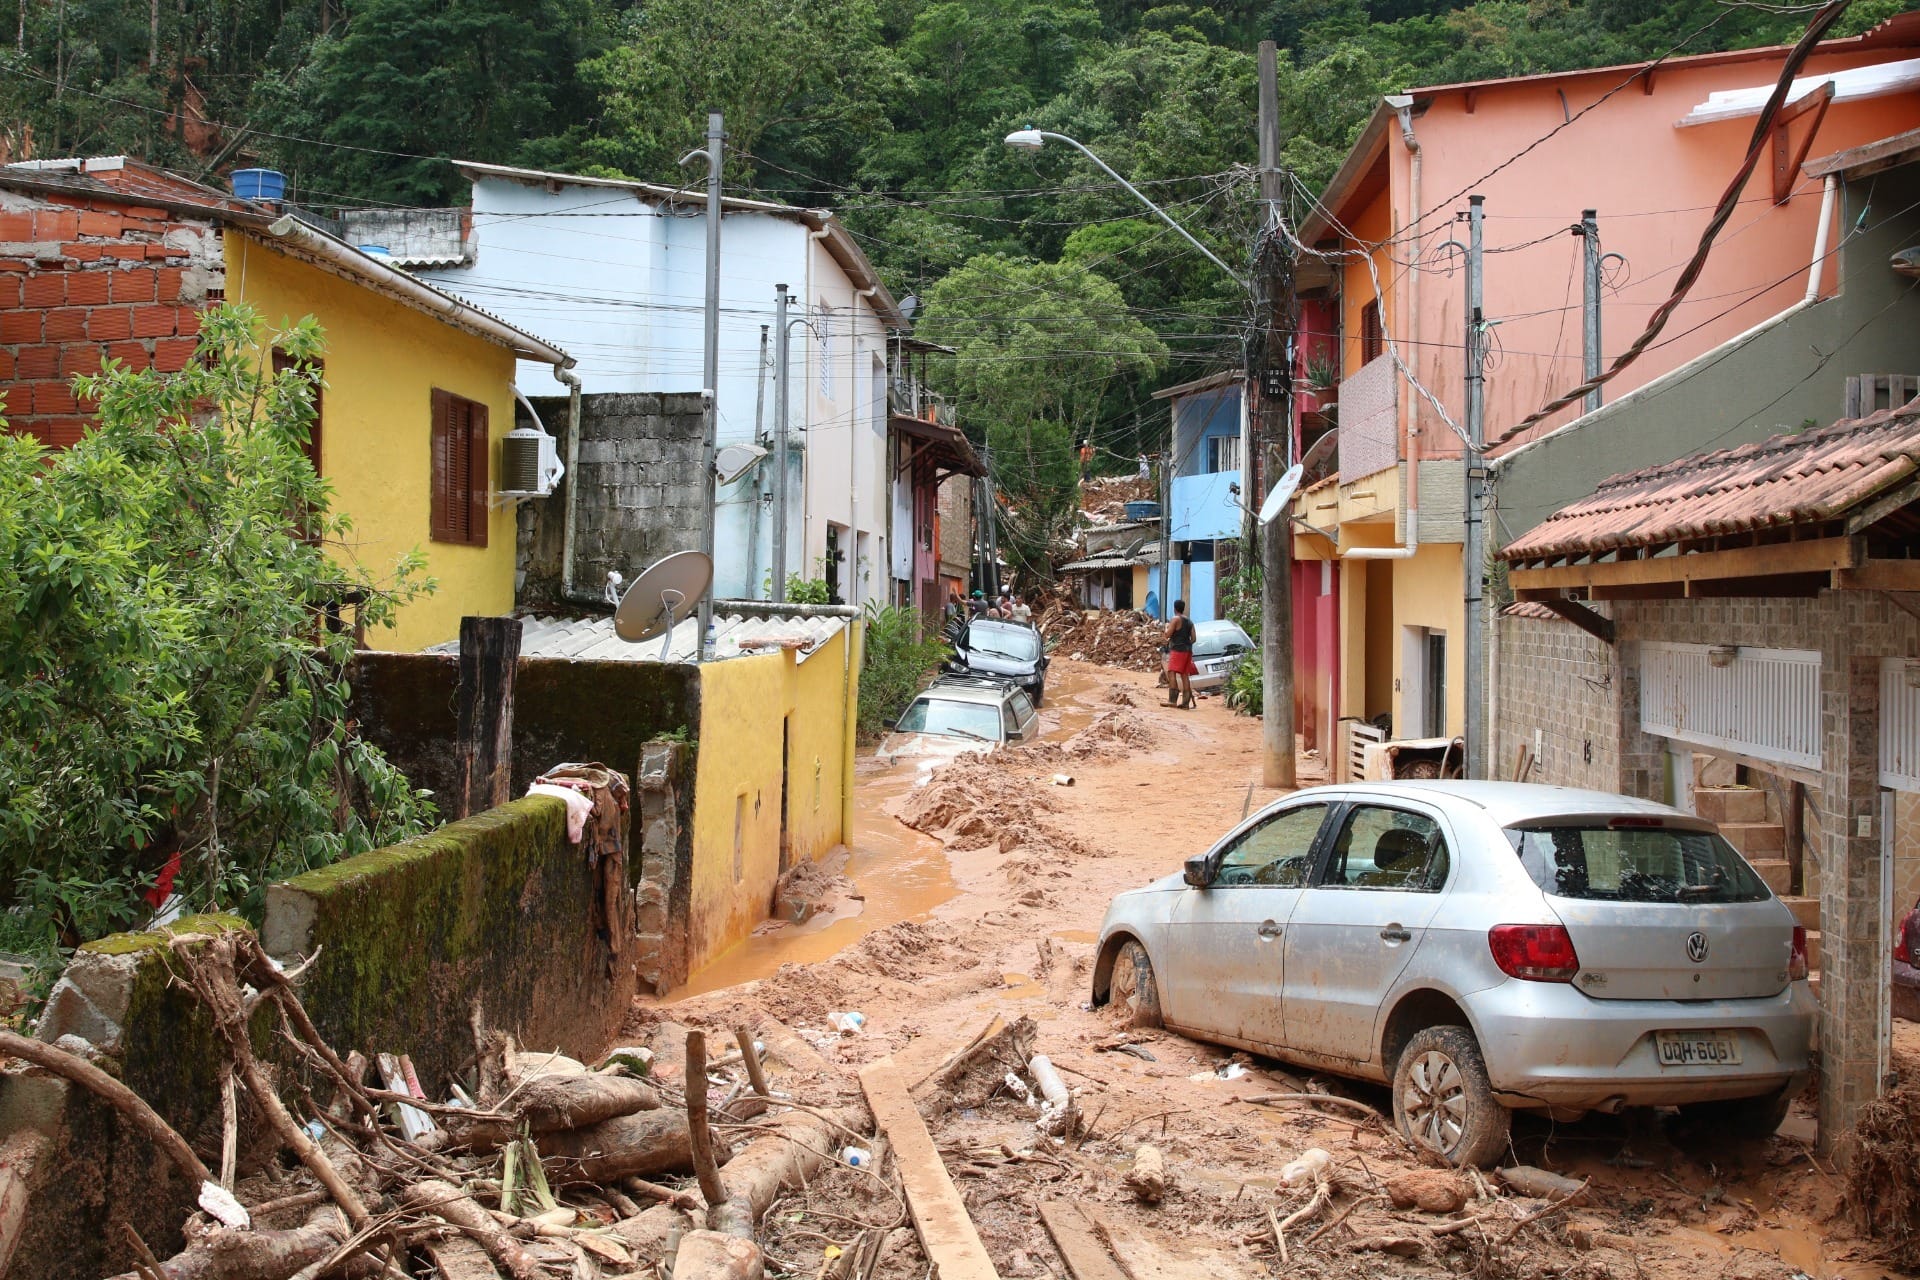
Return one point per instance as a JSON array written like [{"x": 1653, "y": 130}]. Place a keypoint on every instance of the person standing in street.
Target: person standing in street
[
  {"x": 1145, "y": 471},
  {"x": 1180, "y": 668}
]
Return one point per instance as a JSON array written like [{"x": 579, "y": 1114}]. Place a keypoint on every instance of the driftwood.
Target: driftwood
[
  {"x": 640, "y": 1145},
  {"x": 1147, "y": 1179},
  {"x": 253, "y": 1255},
  {"x": 549, "y": 1102},
  {"x": 700, "y": 1135},
  {"x": 449, "y": 1203}
]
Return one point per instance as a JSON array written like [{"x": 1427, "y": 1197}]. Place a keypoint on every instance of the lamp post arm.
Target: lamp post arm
[{"x": 1134, "y": 191}]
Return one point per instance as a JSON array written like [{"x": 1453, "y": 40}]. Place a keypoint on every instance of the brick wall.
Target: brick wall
[
  {"x": 85, "y": 279},
  {"x": 1559, "y": 694}
]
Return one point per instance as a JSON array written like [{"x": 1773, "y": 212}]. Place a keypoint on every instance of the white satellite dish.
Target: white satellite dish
[
  {"x": 669, "y": 589},
  {"x": 1281, "y": 494},
  {"x": 735, "y": 461}
]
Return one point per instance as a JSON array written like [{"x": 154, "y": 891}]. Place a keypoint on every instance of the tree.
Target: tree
[
  {"x": 1037, "y": 346},
  {"x": 168, "y": 680}
]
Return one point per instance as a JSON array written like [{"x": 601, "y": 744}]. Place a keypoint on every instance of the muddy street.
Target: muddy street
[{"x": 971, "y": 901}]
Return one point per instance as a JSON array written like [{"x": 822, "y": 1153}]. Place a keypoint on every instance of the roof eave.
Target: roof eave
[{"x": 1365, "y": 153}]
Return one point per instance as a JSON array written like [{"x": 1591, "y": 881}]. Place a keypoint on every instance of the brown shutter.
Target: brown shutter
[
  {"x": 479, "y": 454},
  {"x": 440, "y": 519}
]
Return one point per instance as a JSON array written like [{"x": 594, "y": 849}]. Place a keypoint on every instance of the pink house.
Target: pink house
[{"x": 1650, "y": 148}]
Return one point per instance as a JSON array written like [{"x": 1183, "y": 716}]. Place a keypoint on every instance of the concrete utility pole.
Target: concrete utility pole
[
  {"x": 1590, "y": 302},
  {"x": 1166, "y": 523},
  {"x": 1475, "y": 552},
  {"x": 710, "y": 366},
  {"x": 1274, "y": 322},
  {"x": 780, "y": 361}
]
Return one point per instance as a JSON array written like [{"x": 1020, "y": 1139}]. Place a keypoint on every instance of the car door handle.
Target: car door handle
[
  {"x": 1394, "y": 933},
  {"x": 1268, "y": 929}
]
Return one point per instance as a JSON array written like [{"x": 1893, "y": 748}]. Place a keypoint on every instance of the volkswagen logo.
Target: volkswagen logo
[{"x": 1697, "y": 947}]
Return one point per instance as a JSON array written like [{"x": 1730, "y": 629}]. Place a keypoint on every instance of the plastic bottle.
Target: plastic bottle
[
  {"x": 1312, "y": 1165},
  {"x": 856, "y": 1157},
  {"x": 850, "y": 1024}
]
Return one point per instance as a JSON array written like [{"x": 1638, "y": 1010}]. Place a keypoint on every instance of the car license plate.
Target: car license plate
[{"x": 1697, "y": 1049}]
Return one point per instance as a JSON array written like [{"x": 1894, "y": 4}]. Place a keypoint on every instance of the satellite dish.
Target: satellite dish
[
  {"x": 735, "y": 461},
  {"x": 668, "y": 590},
  {"x": 1282, "y": 494}
]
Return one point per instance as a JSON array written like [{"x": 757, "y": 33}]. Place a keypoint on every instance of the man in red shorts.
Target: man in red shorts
[{"x": 1180, "y": 668}]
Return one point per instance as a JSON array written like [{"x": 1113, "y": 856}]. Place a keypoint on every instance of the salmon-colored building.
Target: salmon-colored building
[{"x": 1651, "y": 149}]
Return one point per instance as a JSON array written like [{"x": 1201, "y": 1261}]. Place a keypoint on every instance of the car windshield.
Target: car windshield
[
  {"x": 1019, "y": 645},
  {"x": 979, "y": 720},
  {"x": 1622, "y": 862},
  {"x": 1212, "y": 642}
]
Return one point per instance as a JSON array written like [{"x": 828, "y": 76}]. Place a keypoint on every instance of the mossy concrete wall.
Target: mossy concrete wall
[
  {"x": 71, "y": 1166},
  {"x": 498, "y": 908}
]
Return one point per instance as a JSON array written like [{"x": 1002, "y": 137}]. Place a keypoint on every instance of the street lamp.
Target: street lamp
[{"x": 1035, "y": 139}]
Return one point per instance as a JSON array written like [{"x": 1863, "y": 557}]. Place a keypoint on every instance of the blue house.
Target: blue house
[{"x": 1205, "y": 506}]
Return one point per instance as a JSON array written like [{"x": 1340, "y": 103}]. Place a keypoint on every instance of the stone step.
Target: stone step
[
  {"x": 1756, "y": 839},
  {"x": 1777, "y": 872},
  {"x": 1806, "y": 911},
  {"x": 1730, "y": 804},
  {"x": 1711, "y": 770}
]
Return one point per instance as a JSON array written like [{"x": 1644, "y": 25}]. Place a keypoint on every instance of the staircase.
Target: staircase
[{"x": 1743, "y": 818}]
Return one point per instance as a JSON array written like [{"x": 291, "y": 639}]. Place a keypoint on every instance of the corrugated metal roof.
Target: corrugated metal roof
[
  {"x": 1809, "y": 478},
  {"x": 593, "y": 639},
  {"x": 1147, "y": 555}
]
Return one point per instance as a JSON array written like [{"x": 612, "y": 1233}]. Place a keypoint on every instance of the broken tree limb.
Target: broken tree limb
[
  {"x": 103, "y": 1086},
  {"x": 793, "y": 1148},
  {"x": 253, "y": 1255},
  {"x": 710, "y": 1255},
  {"x": 1313, "y": 1100},
  {"x": 449, "y": 1203},
  {"x": 643, "y": 1144},
  {"x": 1147, "y": 1179},
  {"x": 665, "y": 1195},
  {"x": 705, "y": 1167},
  {"x": 1529, "y": 1181},
  {"x": 547, "y": 1103},
  {"x": 756, "y": 1073},
  {"x": 947, "y": 1234}
]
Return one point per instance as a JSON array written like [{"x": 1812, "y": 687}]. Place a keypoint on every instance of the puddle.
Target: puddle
[{"x": 901, "y": 873}]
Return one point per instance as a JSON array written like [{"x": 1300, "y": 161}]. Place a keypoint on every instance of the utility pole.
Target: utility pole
[
  {"x": 1474, "y": 552},
  {"x": 1589, "y": 234},
  {"x": 710, "y": 368},
  {"x": 1166, "y": 524},
  {"x": 780, "y": 362},
  {"x": 1274, "y": 303}
]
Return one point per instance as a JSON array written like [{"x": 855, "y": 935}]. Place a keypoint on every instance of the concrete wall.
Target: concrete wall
[
  {"x": 639, "y": 498},
  {"x": 1573, "y": 695},
  {"x": 1788, "y": 376},
  {"x": 383, "y": 362}
]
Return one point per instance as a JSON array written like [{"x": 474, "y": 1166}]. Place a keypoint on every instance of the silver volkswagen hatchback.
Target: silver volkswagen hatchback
[{"x": 1482, "y": 947}]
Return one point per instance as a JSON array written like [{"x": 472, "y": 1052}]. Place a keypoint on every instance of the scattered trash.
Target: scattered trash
[
  {"x": 1311, "y": 1166},
  {"x": 1056, "y": 1116},
  {"x": 1018, "y": 1087},
  {"x": 856, "y": 1157},
  {"x": 1062, "y": 779},
  {"x": 847, "y": 1024},
  {"x": 219, "y": 1202}
]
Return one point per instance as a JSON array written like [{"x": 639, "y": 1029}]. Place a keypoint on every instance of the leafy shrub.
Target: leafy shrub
[
  {"x": 168, "y": 680},
  {"x": 1245, "y": 687},
  {"x": 897, "y": 657},
  {"x": 807, "y": 590}
]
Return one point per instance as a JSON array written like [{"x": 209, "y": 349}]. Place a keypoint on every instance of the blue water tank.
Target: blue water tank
[
  {"x": 375, "y": 250},
  {"x": 267, "y": 185},
  {"x": 1145, "y": 510}
]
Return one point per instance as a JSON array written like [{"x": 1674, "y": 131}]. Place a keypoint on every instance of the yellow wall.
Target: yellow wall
[
  {"x": 737, "y": 782},
  {"x": 1373, "y": 225},
  {"x": 382, "y": 362},
  {"x": 1429, "y": 591}
]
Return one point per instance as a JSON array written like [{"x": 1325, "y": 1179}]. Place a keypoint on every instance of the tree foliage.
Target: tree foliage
[{"x": 167, "y": 678}]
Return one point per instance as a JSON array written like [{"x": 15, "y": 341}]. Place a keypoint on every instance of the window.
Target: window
[
  {"x": 1223, "y": 453},
  {"x": 460, "y": 450},
  {"x": 1382, "y": 848},
  {"x": 1373, "y": 338},
  {"x": 1625, "y": 861},
  {"x": 1275, "y": 853},
  {"x": 282, "y": 362}
]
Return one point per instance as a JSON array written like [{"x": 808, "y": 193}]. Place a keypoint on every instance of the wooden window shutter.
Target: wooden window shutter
[
  {"x": 283, "y": 362},
  {"x": 440, "y": 517},
  {"x": 478, "y": 456}
]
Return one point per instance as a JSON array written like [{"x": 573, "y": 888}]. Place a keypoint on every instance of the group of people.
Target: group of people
[{"x": 1006, "y": 607}]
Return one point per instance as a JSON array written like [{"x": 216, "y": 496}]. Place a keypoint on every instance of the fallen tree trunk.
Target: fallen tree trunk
[
  {"x": 799, "y": 1145},
  {"x": 553, "y": 1102},
  {"x": 449, "y": 1203},
  {"x": 643, "y": 1144},
  {"x": 255, "y": 1255}
]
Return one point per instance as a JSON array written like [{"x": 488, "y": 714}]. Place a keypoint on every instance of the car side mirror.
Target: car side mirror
[{"x": 1199, "y": 872}]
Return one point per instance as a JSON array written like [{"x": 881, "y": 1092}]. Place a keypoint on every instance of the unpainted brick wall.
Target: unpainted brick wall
[
  {"x": 1558, "y": 693},
  {"x": 85, "y": 279}
]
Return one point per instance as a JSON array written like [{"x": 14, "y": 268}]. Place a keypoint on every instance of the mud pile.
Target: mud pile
[
  {"x": 1113, "y": 638},
  {"x": 979, "y": 802},
  {"x": 1104, "y": 499}
]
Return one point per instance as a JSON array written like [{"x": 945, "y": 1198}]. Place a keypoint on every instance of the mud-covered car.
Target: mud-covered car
[
  {"x": 957, "y": 714},
  {"x": 1481, "y": 947},
  {"x": 1906, "y": 976},
  {"x": 1218, "y": 647}
]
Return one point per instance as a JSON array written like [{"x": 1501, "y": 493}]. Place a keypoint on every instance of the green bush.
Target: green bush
[
  {"x": 168, "y": 681},
  {"x": 1245, "y": 685},
  {"x": 896, "y": 659}
]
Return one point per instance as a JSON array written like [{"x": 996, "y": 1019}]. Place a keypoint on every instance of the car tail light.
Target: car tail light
[
  {"x": 1797, "y": 958},
  {"x": 1536, "y": 952},
  {"x": 1901, "y": 951}
]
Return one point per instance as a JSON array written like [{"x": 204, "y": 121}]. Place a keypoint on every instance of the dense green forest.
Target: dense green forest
[{"x": 1068, "y": 303}]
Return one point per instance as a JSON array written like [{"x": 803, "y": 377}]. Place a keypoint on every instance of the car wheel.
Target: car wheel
[
  {"x": 1743, "y": 1119},
  {"x": 1132, "y": 989},
  {"x": 1443, "y": 1101}
]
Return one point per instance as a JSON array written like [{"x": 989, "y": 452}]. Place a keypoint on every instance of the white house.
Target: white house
[{"x": 615, "y": 271}]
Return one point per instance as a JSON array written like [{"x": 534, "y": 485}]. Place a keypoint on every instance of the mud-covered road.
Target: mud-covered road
[{"x": 989, "y": 909}]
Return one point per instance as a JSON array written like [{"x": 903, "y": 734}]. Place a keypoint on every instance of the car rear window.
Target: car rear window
[
  {"x": 1617, "y": 862},
  {"x": 1214, "y": 643},
  {"x": 957, "y": 719}
]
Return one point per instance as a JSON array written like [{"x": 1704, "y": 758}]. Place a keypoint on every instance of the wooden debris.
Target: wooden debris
[
  {"x": 1529, "y": 1181},
  {"x": 449, "y": 1203},
  {"x": 1080, "y": 1246},
  {"x": 460, "y": 1258},
  {"x": 1399, "y": 1246},
  {"x": 1148, "y": 1177},
  {"x": 643, "y": 1144},
  {"x": 947, "y": 1234},
  {"x": 700, "y": 1136},
  {"x": 253, "y": 1255},
  {"x": 709, "y": 1255}
]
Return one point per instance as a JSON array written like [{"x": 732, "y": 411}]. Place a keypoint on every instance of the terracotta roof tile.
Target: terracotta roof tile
[{"x": 1805, "y": 478}]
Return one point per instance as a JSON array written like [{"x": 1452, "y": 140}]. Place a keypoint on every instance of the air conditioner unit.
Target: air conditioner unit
[{"x": 530, "y": 464}]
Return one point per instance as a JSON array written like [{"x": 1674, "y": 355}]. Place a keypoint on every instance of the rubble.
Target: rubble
[{"x": 1123, "y": 638}]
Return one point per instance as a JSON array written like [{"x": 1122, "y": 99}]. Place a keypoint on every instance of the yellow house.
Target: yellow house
[{"x": 418, "y": 392}]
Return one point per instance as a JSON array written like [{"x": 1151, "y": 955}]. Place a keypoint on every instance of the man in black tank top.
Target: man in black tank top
[{"x": 1180, "y": 668}]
